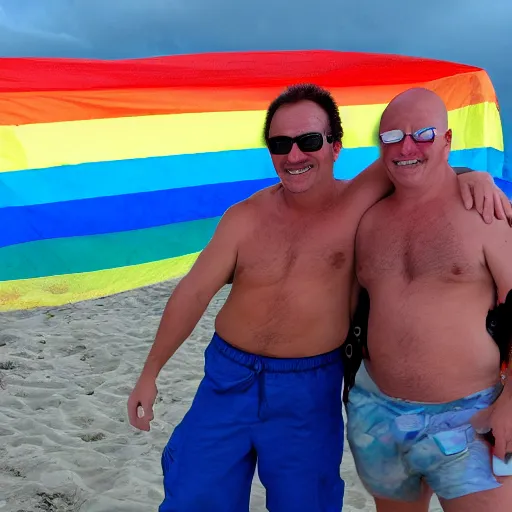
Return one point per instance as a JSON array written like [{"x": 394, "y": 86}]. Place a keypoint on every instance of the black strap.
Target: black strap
[
  {"x": 499, "y": 326},
  {"x": 355, "y": 347}
]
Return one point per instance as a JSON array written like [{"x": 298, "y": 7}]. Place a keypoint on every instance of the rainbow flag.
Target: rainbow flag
[{"x": 114, "y": 174}]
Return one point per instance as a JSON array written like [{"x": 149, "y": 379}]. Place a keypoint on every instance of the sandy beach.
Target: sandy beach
[{"x": 65, "y": 375}]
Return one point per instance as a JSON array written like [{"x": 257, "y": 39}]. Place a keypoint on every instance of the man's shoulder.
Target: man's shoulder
[
  {"x": 261, "y": 197},
  {"x": 498, "y": 231},
  {"x": 252, "y": 206},
  {"x": 259, "y": 200},
  {"x": 376, "y": 212},
  {"x": 472, "y": 219},
  {"x": 371, "y": 221}
]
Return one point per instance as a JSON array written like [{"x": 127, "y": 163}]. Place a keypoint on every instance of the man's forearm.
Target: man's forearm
[
  {"x": 374, "y": 183},
  {"x": 182, "y": 313}
]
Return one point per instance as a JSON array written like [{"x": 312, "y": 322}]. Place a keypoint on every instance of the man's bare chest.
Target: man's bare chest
[
  {"x": 279, "y": 253},
  {"x": 428, "y": 248}
]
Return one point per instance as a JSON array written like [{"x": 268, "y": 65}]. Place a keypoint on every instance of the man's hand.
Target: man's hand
[
  {"x": 479, "y": 191},
  {"x": 497, "y": 419},
  {"x": 140, "y": 403}
]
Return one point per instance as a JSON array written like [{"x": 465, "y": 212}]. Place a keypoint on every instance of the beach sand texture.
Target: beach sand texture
[{"x": 65, "y": 375}]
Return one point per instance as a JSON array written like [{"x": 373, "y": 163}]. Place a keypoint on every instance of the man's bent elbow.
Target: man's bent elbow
[{"x": 190, "y": 296}]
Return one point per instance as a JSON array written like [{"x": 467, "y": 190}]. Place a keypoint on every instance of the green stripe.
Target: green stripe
[{"x": 89, "y": 253}]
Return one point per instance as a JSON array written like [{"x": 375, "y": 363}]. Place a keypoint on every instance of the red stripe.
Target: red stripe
[{"x": 229, "y": 70}]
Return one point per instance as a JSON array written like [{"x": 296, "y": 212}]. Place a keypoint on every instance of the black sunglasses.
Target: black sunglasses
[{"x": 307, "y": 143}]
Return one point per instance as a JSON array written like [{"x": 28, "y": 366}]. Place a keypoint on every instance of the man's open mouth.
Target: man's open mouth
[
  {"x": 302, "y": 170},
  {"x": 402, "y": 163}
]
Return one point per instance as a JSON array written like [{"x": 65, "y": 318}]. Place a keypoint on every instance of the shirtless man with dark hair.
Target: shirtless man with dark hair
[
  {"x": 271, "y": 394},
  {"x": 431, "y": 382}
]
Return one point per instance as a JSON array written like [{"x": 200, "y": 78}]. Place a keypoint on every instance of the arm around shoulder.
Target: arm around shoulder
[{"x": 370, "y": 186}]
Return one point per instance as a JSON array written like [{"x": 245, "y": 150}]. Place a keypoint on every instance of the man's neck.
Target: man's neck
[{"x": 318, "y": 199}]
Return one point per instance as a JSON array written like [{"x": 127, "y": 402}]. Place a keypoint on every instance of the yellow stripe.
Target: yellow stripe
[
  {"x": 54, "y": 144},
  {"x": 65, "y": 289},
  {"x": 476, "y": 126}
]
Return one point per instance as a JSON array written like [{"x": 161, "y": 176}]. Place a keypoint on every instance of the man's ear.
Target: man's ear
[
  {"x": 448, "y": 137},
  {"x": 336, "y": 148}
]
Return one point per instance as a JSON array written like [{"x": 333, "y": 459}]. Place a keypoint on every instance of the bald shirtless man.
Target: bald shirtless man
[
  {"x": 273, "y": 373},
  {"x": 432, "y": 271}
]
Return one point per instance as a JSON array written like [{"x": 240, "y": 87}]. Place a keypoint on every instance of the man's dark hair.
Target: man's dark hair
[{"x": 311, "y": 92}]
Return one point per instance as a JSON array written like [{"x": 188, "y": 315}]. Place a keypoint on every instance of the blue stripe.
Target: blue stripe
[
  {"x": 506, "y": 186},
  {"x": 86, "y": 181},
  {"x": 480, "y": 159},
  {"x": 121, "y": 213},
  {"x": 138, "y": 211}
]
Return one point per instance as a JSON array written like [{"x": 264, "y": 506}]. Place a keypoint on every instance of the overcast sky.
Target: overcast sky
[{"x": 475, "y": 32}]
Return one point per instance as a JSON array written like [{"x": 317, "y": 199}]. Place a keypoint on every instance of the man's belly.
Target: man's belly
[
  {"x": 430, "y": 348},
  {"x": 285, "y": 322}
]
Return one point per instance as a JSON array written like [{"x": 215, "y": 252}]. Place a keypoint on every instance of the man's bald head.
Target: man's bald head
[
  {"x": 413, "y": 161},
  {"x": 417, "y": 106}
]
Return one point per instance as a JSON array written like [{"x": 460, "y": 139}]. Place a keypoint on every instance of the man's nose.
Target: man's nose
[
  {"x": 408, "y": 145},
  {"x": 295, "y": 154}
]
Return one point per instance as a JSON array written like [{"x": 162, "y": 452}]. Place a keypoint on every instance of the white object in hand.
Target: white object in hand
[
  {"x": 140, "y": 411},
  {"x": 500, "y": 467}
]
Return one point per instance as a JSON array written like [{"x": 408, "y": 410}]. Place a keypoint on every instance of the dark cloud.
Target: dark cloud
[{"x": 469, "y": 31}]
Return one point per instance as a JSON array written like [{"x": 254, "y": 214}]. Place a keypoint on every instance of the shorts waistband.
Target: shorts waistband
[
  {"x": 485, "y": 396},
  {"x": 275, "y": 364}
]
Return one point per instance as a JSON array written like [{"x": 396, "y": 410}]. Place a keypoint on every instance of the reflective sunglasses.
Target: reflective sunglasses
[
  {"x": 421, "y": 135},
  {"x": 307, "y": 143}
]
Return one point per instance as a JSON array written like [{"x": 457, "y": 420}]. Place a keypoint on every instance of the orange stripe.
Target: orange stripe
[{"x": 45, "y": 107}]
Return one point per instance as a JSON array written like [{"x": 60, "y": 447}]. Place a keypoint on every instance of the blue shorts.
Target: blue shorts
[
  {"x": 283, "y": 414},
  {"x": 397, "y": 443}
]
